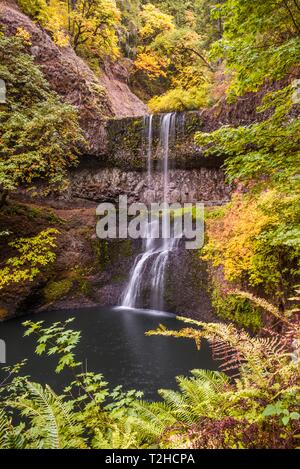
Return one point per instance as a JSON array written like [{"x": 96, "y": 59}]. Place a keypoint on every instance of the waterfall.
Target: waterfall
[{"x": 149, "y": 268}]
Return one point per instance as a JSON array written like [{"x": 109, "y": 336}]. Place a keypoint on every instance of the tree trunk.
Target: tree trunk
[{"x": 200, "y": 56}]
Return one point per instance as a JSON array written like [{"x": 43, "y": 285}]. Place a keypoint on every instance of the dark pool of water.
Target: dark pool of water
[{"x": 113, "y": 343}]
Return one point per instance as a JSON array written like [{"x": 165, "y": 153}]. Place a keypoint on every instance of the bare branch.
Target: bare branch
[{"x": 201, "y": 57}]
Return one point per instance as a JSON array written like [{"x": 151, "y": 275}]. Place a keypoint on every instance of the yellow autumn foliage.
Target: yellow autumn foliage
[
  {"x": 235, "y": 239},
  {"x": 92, "y": 24},
  {"x": 151, "y": 64},
  {"x": 33, "y": 254},
  {"x": 154, "y": 21},
  {"x": 56, "y": 21},
  {"x": 180, "y": 99},
  {"x": 23, "y": 34}
]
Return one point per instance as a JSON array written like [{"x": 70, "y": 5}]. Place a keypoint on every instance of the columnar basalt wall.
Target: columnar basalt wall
[{"x": 107, "y": 184}]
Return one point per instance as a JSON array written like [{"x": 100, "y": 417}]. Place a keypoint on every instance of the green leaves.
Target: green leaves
[
  {"x": 34, "y": 254},
  {"x": 10, "y": 437},
  {"x": 205, "y": 403},
  {"x": 265, "y": 158},
  {"x": 209, "y": 409},
  {"x": 53, "y": 426},
  {"x": 265, "y": 151},
  {"x": 260, "y": 42},
  {"x": 173, "y": 59},
  {"x": 278, "y": 409},
  {"x": 40, "y": 135}
]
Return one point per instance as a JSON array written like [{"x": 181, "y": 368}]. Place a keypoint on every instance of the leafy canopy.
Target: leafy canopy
[
  {"x": 85, "y": 24},
  {"x": 175, "y": 56},
  {"x": 154, "y": 22},
  {"x": 257, "y": 238},
  {"x": 261, "y": 41}
]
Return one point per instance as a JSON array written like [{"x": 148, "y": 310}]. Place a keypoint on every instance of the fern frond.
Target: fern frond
[
  {"x": 53, "y": 425},
  {"x": 10, "y": 437},
  {"x": 152, "y": 419},
  {"x": 4, "y": 429}
]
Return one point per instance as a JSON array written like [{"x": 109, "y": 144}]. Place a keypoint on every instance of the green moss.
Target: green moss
[
  {"x": 126, "y": 140},
  {"x": 193, "y": 123},
  {"x": 85, "y": 286},
  {"x": 33, "y": 213},
  {"x": 101, "y": 250},
  {"x": 96, "y": 245},
  {"x": 237, "y": 310},
  {"x": 118, "y": 277},
  {"x": 78, "y": 275},
  {"x": 15, "y": 209},
  {"x": 125, "y": 143},
  {"x": 55, "y": 290},
  {"x": 109, "y": 253},
  {"x": 51, "y": 217}
]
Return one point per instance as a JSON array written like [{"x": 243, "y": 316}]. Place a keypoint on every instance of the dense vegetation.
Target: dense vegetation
[
  {"x": 256, "y": 237},
  {"x": 168, "y": 42},
  {"x": 40, "y": 139},
  {"x": 256, "y": 409},
  {"x": 40, "y": 134},
  {"x": 184, "y": 55}
]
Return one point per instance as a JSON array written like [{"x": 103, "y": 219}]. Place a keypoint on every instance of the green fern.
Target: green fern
[
  {"x": 10, "y": 436},
  {"x": 253, "y": 408},
  {"x": 52, "y": 424},
  {"x": 261, "y": 369}
]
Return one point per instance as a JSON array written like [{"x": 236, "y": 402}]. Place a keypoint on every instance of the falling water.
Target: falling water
[{"x": 149, "y": 268}]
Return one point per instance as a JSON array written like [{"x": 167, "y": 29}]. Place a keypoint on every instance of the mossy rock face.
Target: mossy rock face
[
  {"x": 102, "y": 255},
  {"x": 114, "y": 255},
  {"x": 78, "y": 276},
  {"x": 186, "y": 286},
  {"x": 55, "y": 290},
  {"x": 237, "y": 310},
  {"x": 127, "y": 143}
]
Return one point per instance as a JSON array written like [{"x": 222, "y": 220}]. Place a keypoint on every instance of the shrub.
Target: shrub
[
  {"x": 180, "y": 99},
  {"x": 40, "y": 135},
  {"x": 34, "y": 254}
]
